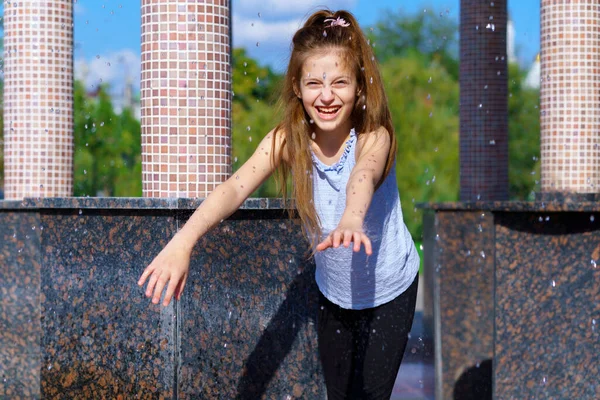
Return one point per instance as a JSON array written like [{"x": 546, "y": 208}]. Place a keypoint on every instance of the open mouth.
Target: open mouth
[{"x": 328, "y": 111}]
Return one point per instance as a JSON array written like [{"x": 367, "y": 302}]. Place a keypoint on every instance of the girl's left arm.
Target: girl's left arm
[{"x": 371, "y": 156}]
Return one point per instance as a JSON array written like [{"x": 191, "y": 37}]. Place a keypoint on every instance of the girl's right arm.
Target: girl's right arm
[{"x": 171, "y": 265}]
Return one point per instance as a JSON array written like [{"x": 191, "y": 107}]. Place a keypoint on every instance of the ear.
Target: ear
[{"x": 296, "y": 89}]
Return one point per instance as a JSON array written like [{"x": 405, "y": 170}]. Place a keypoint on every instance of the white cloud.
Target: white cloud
[
  {"x": 114, "y": 69},
  {"x": 276, "y": 8},
  {"x": 247, "y": 32},
  {"x": 274, "y": 28}
]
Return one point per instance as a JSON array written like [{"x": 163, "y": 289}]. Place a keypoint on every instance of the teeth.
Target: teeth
[{"x": 331, "y": 110}]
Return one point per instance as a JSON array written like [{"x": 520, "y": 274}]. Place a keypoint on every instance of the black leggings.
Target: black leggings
[{"x": 361, "y": 350}]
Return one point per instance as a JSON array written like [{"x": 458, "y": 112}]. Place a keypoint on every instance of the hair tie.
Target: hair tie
[{"x": 339, "y": 21}]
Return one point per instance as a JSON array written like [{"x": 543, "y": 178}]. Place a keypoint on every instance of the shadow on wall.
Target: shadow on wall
[
  {"x": 475, "y": 383},
  {"x": 298, "y": 308}
]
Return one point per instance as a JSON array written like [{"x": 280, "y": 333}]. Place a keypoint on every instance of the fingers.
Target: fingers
[
  {"x": 356, "y": 239},
  {"x": 180, "y": 287},
  {"x": 160, "y": 285},
  {"x": 325, "y": 244},
  {"x": 174, "y": 283},
  {"x": 345, "y": 237},
  {"x": 367, "y": 243},
  {"x": 337, "y": 238},
  {"x": 149, "y": 269}
]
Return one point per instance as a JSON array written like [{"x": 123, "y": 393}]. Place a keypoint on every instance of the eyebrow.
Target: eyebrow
[{"x": 317, "y": 78}]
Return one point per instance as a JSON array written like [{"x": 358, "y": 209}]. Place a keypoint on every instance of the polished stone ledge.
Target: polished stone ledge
[
  {"x": 513, "y": 206},
  {"x": 133, "y": 203}
]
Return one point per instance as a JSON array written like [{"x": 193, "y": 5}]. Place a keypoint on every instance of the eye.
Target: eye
[
  {"x": 340, "y": 83},
  {"x": 312, "y": 83}
]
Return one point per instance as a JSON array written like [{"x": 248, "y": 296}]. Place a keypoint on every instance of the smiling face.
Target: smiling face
[{"x": 328, "y": 90}]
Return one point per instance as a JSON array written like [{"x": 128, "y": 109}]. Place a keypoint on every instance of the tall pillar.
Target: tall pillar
[
  {"x": 185, "y": 97},
  {"x": 38, "y": 98},
  {"x": 570, "y": 106},
  {"x": 483, "y": 101}
]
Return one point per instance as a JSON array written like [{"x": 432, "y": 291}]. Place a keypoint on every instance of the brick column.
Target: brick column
[
  {"x": 483, "y": 101},
  {"x": 38, "y": 99},
  {"x": 185, "y": 97},
  {"x": 570, "y": 105}
]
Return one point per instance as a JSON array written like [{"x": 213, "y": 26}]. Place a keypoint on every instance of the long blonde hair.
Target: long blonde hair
[{"x": 370, "y": 111}]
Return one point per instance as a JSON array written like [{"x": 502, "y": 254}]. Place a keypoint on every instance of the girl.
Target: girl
[{"x": 337, "y": 142}]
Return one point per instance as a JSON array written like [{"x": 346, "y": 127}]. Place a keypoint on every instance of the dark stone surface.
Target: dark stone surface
[
  {"x": 251, "y": 307},
  {"x": 515, "y": 206},
  {"x": 20, "y": 329},
  {"x": 547, "y": 306},
  {"x": 93, "y": 334},
  {"x": 536, "y": 290},
  {"x": 100, "y": 336},
  {"x": 566, "y": 197},
  {"x": 459, "y": 276},
  {"x": 134, "y": 203}
]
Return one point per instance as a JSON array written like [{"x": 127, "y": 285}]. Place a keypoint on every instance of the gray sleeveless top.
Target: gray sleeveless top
[{"x": 355, "y": 280}]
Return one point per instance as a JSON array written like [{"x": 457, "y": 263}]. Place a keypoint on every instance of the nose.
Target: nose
[{"x": 327, "y": 94}]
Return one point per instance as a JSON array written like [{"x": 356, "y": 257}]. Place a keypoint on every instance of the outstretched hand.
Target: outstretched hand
[
  {"x": 344, "y": 237},
  {"x": 170, "y": 266}
]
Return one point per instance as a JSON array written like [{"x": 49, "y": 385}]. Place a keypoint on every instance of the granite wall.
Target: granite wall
[
  {"x": 79, "y": 326},
  {"x": 19, "y": 301},
  {"x": 512, "y": 290}
]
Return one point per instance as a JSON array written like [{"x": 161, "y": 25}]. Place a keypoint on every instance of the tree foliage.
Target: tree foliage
[
  {"x": 524, "y": 137},
  {"x": 423, "y": 100},
  {"x": 107, "y": 160},
  {"x": 256, "y": 90},
  {"x": 430, "y": 37}
]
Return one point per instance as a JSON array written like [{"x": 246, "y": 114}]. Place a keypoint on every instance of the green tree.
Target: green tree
[
  {"x": 422, "y": 35},
  {"x": 524, "y": 136},
  {"x": 107, "y": 159},
  {"x": 423, "y": 100},
  {"x": 256, "y": 89}
]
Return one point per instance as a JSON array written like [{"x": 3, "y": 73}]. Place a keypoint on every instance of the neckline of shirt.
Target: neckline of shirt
[{"x": 338, "y": 165}]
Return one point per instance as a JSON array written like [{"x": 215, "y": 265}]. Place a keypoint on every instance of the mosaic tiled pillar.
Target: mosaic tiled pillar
[
  {"x": 38, "y": 98},
  {"x": 484, "y": 100},
  {"x": 185, "y": 97},
  {"x": 570, "y": 105}
]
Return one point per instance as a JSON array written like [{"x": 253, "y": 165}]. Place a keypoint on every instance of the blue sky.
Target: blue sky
[{"x": 107, "y": 33}]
